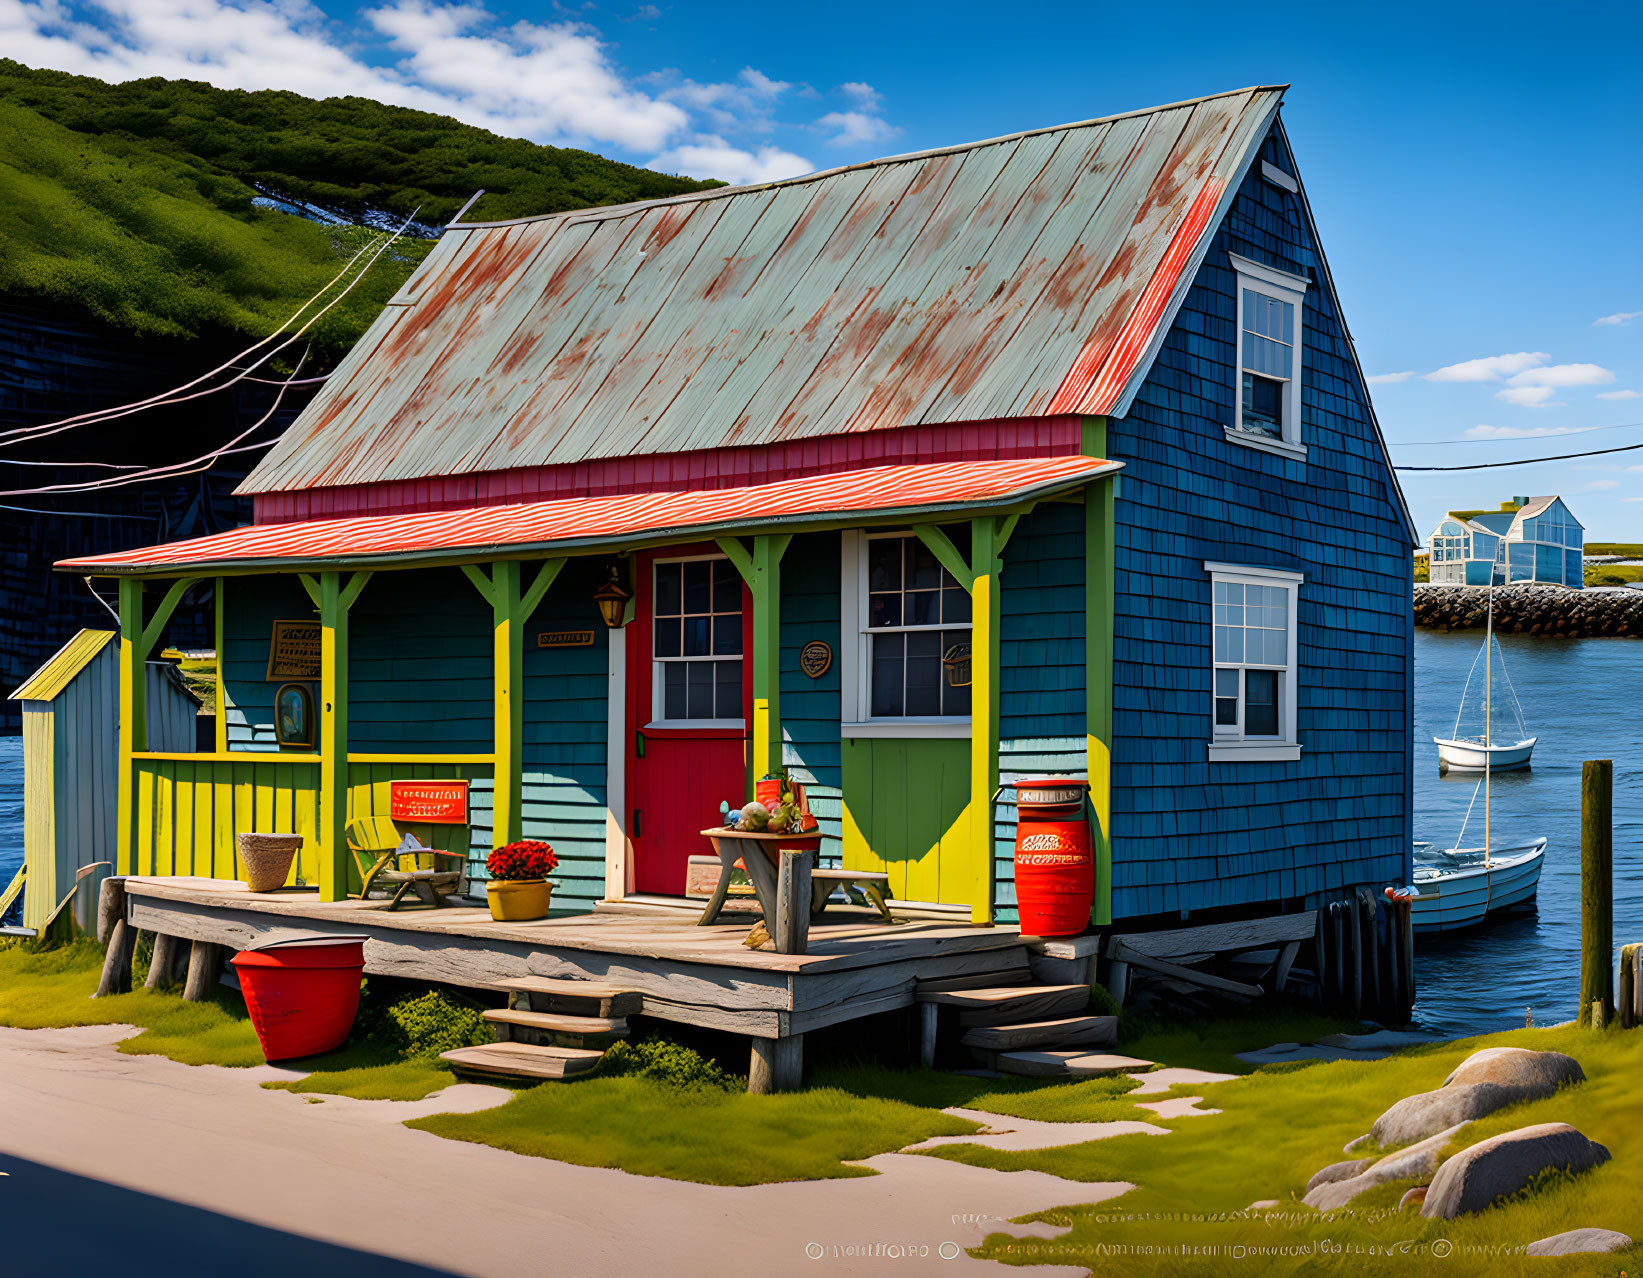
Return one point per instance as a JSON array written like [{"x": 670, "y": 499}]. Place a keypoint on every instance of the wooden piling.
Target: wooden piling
[
  {"x": 776, "y": 1065},
  {"x": 162, "y": 966},
  {"x": 204, "y": 959},
  {"x": 119, "y": 937},
  {"x": 1626, "y": 993},
  {"x": 792, "y": 923},
  {"x": 1596, "y": 892}
]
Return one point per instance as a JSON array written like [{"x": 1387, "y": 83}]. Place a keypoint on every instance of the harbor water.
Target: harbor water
[
  {"x": 11, "y": 817},
  {"x": 1579, "y": 700}
]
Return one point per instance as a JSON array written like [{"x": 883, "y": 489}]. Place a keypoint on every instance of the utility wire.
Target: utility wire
[{"x": 1528, "y": 461}]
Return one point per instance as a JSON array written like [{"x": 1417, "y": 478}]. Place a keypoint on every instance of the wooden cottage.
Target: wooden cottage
[{"x": 1045, "y": 454}]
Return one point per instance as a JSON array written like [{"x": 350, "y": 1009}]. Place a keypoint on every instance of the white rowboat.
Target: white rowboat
[
  {"x": 1476, "y": 756},
  {"x": 1461, "y": 887}
]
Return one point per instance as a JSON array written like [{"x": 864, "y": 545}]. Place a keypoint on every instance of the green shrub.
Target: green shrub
[
  {"x": 419, "y": 1025},
  {"x": 664, "y": 1061}
]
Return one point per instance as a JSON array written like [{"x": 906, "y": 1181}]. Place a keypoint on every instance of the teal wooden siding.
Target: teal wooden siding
[
  {"x": 1189, "y": 834},
  {"x": 251, "y": 605},
  {"x": 1019, "y": 758},
  {"x": 810, "y": 707}
]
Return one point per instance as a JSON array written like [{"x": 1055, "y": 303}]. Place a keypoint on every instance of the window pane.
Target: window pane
[
  {"x": 728, "y": 698},
  {"x": 1220, "y": 591},
  {"x": 727, "y": 635},
  {"x": 1226, "y": 712},
  {"x": 955, "y": 604},
  {"x": 1226, "y": 683},
  {"x": 667, "y": 590},
  {"x": 667, "y": 636},
  {"x": 698, "y": 585},
  {"x": 673, "y": 691},
  {"x": 1263, "y": 404},
  {"x": 696, "y": 636},
  {"x": 923, "y": 608},
  {"x": 924, "y": 672},
  {"x": 1260, "y": 703},
  {"x": 923, "y": 569},
  {"x": 1262, "y": 355},
  {"x": 888, "y": 651},
  {"x": 884, "y": 564},
  {"x": 1235, "y": 592},
  {"x": 883, "y": 610},
  {"x": 727, "y": 587},
  {"x": 698, "y": 689}
]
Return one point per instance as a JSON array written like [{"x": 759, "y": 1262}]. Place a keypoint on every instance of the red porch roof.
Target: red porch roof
[{"x": 883, "y": 493}]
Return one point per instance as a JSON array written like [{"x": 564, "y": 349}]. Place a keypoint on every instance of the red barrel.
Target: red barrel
[
  {"x": 1054, "y": 863},
  {"x": 302, "y": 991}
]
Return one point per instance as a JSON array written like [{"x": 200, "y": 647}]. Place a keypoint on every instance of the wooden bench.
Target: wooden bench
[{"x": 871, "y": 885}]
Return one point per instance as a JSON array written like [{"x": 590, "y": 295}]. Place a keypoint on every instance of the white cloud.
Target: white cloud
[
  {"x": 1561, "y": 375},
  {"x": 1602, "y": 485},
  {"x": 1619, "y": 394},
  {"x": 850, "y": 128},
  {"x": 713, "y": 157},
  {"x": 1385, "y": 379},
  {"x": 1491, "y": 368},
  {"x": 1529, "y": 396},
  {"x": 745, "y": 104},
  {"x": 865, "y": 96},
  {"x": 1519, "y": 432},
  {"x": 1619, "y": 317}
]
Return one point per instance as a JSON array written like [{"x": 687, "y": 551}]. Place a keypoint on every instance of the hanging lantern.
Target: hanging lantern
[{"x": 612, "y": 600}]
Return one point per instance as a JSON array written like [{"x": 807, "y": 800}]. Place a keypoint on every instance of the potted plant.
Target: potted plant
[{"x": 519, "y": 887}]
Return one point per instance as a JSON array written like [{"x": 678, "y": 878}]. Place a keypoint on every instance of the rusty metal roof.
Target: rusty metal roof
[{"x": 1028, "y": 275}]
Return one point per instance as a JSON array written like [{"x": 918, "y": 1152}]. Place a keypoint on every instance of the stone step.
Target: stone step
[
  {"x": 1057, "y": 1064},
  {"x": 522, "y": 1060},
  {"x": 1004, "y": 1005},
  {"x": 1072, "y": 1031},
  {"x": 520, "y": 1025},
  {"x": 548, "y": 994}
]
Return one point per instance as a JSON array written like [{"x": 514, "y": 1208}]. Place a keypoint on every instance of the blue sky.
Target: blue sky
[{"x": 1474, "y": 169}]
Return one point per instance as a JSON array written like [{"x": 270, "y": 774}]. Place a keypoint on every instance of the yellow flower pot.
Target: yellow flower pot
[{"x": 515, "y": 900}]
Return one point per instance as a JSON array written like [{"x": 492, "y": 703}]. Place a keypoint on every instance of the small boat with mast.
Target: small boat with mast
[
  {"x": 1483, "y": 751},
  {"x": 1460, "y": 887}
]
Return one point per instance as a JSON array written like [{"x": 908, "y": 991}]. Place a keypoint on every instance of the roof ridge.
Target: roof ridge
[{"x": 603, "y": 212}]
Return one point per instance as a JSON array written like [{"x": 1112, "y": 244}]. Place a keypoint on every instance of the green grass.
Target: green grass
[
  {"x": 704, "y": 1135},
  {"x": 1279, "y": 1125},
  {"x": 1212, "y": 1043},
  {"x": 1094, "y": 1100},
  {"x": 1613, "y": 574},
  {"x": 1630, "y": 549}
]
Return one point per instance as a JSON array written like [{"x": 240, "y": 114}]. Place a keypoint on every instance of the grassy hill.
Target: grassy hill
[{"x": 136, "y": 201}]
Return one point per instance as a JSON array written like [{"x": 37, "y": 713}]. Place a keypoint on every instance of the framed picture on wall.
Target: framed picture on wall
[{"x": 294, "y": 715}]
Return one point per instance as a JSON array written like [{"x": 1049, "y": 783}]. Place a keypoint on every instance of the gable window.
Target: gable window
[
  {"x": 1253, "y": 652},
  {"x": 906, "y": 667},
  {"x": 697, "y": 637},
  {"x": 1267, "y": 398}
]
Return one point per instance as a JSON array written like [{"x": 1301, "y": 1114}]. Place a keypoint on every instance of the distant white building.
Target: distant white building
[{"x": 1527, "y": 539}]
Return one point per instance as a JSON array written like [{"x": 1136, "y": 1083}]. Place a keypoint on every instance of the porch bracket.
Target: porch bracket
[
  {"x": 310, "y": 584},
  {"x": 941, "y": 546},
  {"x": 761, "y": 570}
]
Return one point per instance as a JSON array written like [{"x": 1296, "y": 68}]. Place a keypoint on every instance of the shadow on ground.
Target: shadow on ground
[{"x": 53, "y": 1221}]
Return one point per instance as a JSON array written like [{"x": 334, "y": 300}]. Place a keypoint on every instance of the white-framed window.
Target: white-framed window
[
  {"x": 905, "y": 649},
  {"x": 1253, "y": 649},
  {"x": 1267, "y": 390},
  {"x": 696, "y": 642}
]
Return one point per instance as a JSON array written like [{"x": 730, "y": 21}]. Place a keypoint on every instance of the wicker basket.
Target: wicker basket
[{"x": 267, "y": 858}]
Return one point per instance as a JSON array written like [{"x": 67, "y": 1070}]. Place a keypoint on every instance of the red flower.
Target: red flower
[{"x": 526, "y": 859}]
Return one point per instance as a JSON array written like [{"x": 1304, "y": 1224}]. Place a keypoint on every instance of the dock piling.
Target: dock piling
[
  {"x": 1597, "y": 892},
  {"x": 119, "y": 937}
]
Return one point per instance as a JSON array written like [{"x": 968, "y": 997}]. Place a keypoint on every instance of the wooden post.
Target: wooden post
[
  {"x": 1626, "y": 988},
  {"x": 1371, "y": 960},
  {"x": 1596, "y": 892},
  {"x": 1100, "y": 577},
  {"x": 132, "y": 728},
  {"x": 220, "y": 698},
  {"x": 204, "y": 959},
  {"x": 761, "y": 570},
  {"x": 792, "y": 925},
  {"x": 928, "y": 1023},
  {"x": 985, "y": 547},
  {"x": 118, "y": 936},
  {"x": 162, "y": 965},
  {"x": 776, "y": 1065},
  {"x": 334, "y": 599}
]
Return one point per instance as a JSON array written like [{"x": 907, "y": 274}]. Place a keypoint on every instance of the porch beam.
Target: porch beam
[
  {"x": 1100, "y": 577},
  {"x": 335, "y": 599},
  {"x": 512, "y": 604},
  {"x": 761, "y": 569},
  {"x": 985, "y": 566}
]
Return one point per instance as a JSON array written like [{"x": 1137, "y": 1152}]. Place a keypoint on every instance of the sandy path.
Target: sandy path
[{"x": 269, "y": 1183}]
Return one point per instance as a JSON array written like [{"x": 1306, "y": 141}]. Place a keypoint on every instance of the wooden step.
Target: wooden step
[
  {"x": 1073, "y": 1031},
  {"x": 556, "y": 1028},
  {"x": 548, "y": 994},
  {"x": 522, "y": 1060},
  {"x": 1070, "y": 1064},
  {"x": 1004, "y": 1005},
  {"x": 977, "y": 980}
]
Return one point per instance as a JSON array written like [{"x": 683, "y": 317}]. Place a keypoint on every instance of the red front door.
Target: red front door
[{"x": 689, "y": 700}]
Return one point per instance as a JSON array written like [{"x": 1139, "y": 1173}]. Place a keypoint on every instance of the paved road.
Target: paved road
[{"x": 140, "y": 1166}]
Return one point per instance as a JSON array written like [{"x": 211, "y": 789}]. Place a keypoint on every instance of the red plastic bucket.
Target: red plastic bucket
[
  {"x": 1054, "y": 861},
  {"x": 302, "y": 991}
]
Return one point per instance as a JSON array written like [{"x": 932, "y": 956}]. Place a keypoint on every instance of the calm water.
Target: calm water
[{"x": 1580, "y": 698}]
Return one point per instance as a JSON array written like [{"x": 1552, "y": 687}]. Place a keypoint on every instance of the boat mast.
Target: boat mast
[{"x": 1488, "y": 707}]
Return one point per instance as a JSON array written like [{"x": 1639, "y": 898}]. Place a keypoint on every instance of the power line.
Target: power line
[{"x": 1528, "y": 461}]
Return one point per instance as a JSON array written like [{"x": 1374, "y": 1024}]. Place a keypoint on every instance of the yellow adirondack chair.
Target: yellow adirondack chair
[{"x": 375, "y": 840}]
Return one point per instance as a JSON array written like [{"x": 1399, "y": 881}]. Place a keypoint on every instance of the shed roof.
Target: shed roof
[
  {"x": 1023, "y": 276},
  {"x": 48, "y": 682},
  {"x": 881, "y": 493}
]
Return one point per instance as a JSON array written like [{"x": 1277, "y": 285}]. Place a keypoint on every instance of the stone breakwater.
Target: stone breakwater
[{"x": 1533, "y": 610}]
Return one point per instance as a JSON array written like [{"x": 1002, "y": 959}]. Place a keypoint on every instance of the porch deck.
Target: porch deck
[{"x": 700, "y": 976}]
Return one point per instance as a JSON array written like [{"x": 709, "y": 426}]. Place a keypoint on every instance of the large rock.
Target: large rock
[
  {"x": 1504, "y": 1164},
  {"x": 1417, "y": 1160},
  {"x": 1534, "y": 1074},
  {"x": 1337, "y": 1171},
  {"x": 1579, "y": 1242}
]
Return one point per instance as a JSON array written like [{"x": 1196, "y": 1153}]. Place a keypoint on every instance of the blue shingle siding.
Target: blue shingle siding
[
  {"x": 810, "y": 707},
  {"x": 1192, "y": 835}
]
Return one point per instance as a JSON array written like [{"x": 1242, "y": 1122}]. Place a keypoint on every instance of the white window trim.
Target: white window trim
[
  {"x": 657, "y": 699},
  {"x": 1273, "y": 174},
  {"x": 1282, "y": 287},
  {"x": 1287, "y": 748},
  {"x": 855, "y": 666}
]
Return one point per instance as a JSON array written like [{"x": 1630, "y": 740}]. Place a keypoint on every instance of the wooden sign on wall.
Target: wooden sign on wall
[
  {"x": 437, "y": 802},
  {"x": 293, "y": 651},
  {"x": 815, "y": 658},
  {"x": 565, "y": 639}
]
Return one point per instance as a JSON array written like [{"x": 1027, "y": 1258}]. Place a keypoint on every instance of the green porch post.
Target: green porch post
[
  {"x": 137, "y": 640},
  {"x": 334, "y": 600},
  {"x": 762, "y": 571},
  {"x": 511, "y": 606},
  {"x": 1099, "y": 579}
]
